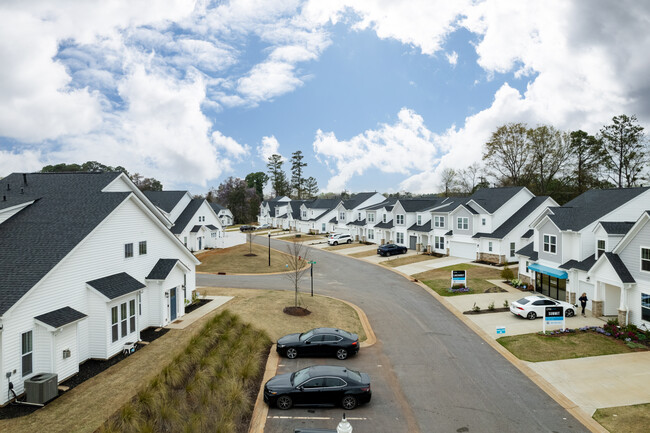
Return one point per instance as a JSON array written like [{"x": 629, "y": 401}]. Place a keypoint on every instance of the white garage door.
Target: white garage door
[{"x": 464, "y": 250}]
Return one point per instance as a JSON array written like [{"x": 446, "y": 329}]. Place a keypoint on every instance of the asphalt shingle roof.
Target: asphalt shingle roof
[
  {"x": 388, "y": 202},
  {"x": 591, "y": 206},
  {"x": 583, "y": 265},
  {"x": 426, "y": 227},
  {"x": 67, "y": 207},
  {"x": 323, "y": 203},
  {"x": 196, "y": 228},
  {"x": 116, "y": 285},
  {"x": 386, "y": 225},
  {"x": 357, "y": 223},
  {"x": 212, "y": 227},
  {"x": 165, "y": 200},
  {"x": 512, "y": 222},
  {"x": 620, "y": 268},
  {"x": 491, "y": 199},
  {"x": 60, "y": 317},
  {"x": 528, "y": 234},
  {"x": 186, "y": 216},
  {"x": 414, "y": 205},
  {"x": 529, "y": 252},
  {"x": 617, "y": 228},
  {"x": 357, "y": 200},
  {"x": 161, "y": 269},
  {"x": 216, "y": 207}
]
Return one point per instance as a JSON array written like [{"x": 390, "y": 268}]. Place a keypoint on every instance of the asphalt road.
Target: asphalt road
[{"x": 430, "y": 372}]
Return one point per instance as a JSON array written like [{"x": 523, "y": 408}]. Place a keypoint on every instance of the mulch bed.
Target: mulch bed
[
  {"x": 194, "y": 306},
  {"x": 296, "y": 311},
  {"x": 483, "y": 311},
  {"x": 87, "y": 370}
]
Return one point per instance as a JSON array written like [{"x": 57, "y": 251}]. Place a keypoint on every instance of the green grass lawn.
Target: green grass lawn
[
  {"x": 539, "y": 348},
  {"x": 234, "y": 260},
  {"x": 624, "y": 419},
  {"x": 439, "y": 280}
]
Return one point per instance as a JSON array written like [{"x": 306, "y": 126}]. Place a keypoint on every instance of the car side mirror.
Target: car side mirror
[
  {"x": 307, "y": 342},
  {"x": 300, "y": 388}
]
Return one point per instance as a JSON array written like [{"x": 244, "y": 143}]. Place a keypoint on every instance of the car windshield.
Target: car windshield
[
  {"x": 300, "y": 376},
  {"x": 355, "y": 375},
  {"x": 306, "y": 335},
  {"x": 523, "y": 301}
]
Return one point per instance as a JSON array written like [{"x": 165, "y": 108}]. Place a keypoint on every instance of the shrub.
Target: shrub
[
  {"x": 515, "y": 282},
  {"x": 491, "y": 306},
  {"x": 507, "y": 274},
  {"x": 476, "y": 308},
  {"x": 506, "y": 304}
]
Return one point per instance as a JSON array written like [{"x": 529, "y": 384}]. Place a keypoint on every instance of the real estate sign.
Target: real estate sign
[
  {"x": 459, "y": 278},
  {"x": 553, "y": 316}
]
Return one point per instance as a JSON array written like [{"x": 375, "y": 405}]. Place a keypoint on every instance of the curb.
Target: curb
[{"x": 261, "y": 409}]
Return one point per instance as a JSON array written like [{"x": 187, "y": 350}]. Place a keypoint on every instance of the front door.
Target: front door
[
  {"x": 200, "y": 243},
  {"x": 413, "y": 240},
  {"x": 172, "y": 304}
]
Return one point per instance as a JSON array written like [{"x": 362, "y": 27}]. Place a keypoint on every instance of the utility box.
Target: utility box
[{"x": 42, "y": 388}]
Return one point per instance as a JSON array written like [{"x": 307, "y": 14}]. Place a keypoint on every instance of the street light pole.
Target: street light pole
[
  {"x": 269, "y": 247},
  {"x": 311, "y": 271}
]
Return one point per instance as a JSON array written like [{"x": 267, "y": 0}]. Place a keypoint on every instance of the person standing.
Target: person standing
[{"x": 583, "y": 302}]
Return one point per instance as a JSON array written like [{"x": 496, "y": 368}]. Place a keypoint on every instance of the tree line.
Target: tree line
[
  {"x": 143, "y": 183},
  {"x": 558, "y": 163}
]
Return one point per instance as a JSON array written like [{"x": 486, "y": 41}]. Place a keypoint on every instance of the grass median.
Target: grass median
[
  {"x": 439, "y": 280},
  {"x": 400, "y": 261},
  {"x": 238, "y": 260}
]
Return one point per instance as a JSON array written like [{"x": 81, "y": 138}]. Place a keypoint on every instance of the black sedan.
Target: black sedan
[
  {"x": 391, "y": 249},
  {"x": 319, "y": 342},
  {"x": 247, "y": 228},
  {"x": 319, "y": 385}
]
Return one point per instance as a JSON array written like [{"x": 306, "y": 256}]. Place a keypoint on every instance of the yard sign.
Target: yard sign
[
  {"x": 553, "y": 316},
  {"x": 458, "y": 277}
]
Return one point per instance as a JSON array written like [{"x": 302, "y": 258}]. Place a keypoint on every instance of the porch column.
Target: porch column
[
  {"x": 622, "y": 308},
  {"x": 597, "y": 302}
]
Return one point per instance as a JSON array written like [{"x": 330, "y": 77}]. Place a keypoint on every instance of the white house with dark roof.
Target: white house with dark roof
[
  {"x": 569, "y": 240},
  {"x": 377, "y": 216},
  {"x": 195, "y": 220},
  {"x": 87, "y": 262},
  {"x": 225, "y": 215}
]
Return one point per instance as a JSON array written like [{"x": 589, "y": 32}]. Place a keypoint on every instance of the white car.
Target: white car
[
  {"x": 532, "y": 307},
  {"x": 336, "y": 238}
]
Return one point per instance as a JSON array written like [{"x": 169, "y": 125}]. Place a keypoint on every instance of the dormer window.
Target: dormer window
[
  {"x": 359, "y": 218},
  {"x": 341, "y": 216},
  {"x": 383, "y": 218},
  {"x": 304, "y": 214},
  {"x": 419, "y": 220},
  {"x": 371, "y": 217},
  {"x": 600, "y": 247},
  {"x": 483, "y": 221}
]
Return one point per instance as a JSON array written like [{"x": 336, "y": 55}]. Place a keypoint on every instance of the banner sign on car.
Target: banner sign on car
[
  {"x": 553, "y": 316},
  {"x": 458, "y": 278}
]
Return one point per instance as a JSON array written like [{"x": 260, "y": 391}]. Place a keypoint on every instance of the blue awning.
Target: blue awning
[{"x": 562, "y": 275}]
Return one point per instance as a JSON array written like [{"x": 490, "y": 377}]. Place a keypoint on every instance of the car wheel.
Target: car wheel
[
  {"x": 284, "y": 402},
  {"x": 336, "y": 243},
  {"x": 349, "y": 241},
  {"x": 569, "y": 313},
  {"x": 292, "y": 353},
  {"x": 388, "y": 254},
  {"x": 341, "y": 354},
  {"x": 531, "y": 315},
  {"x": 349, "y": 402}
]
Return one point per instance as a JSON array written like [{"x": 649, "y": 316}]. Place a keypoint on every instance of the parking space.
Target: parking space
[{"x": 383, "y": 413}]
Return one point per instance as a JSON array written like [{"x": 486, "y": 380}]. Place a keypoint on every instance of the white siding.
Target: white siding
[
  {"x": 548, "y": 228},
  {"x": 67, "y": 339}
]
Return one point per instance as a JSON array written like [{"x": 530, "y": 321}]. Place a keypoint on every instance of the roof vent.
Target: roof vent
[{"x": 25, "y": 179}]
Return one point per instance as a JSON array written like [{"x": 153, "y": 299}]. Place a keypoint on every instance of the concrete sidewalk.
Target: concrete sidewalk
[
  {"x": 186, "y": 320},
  {"x": 427, "y": 265}
]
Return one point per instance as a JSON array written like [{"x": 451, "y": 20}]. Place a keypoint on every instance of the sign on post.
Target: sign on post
[
  {"x": 459, "y": 278},
  {"x": 553, "y": 316},
  {"x": 501, "y": 330}
]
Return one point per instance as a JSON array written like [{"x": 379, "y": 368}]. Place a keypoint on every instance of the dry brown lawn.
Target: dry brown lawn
[
  {"x": 624, "y": 419},
  {"x": 233, "y": 260},
  {"x": 361, "y": 254},
  {"x": 473, "y": 271},
  {"x": 303, "y": 238},
  {"x": 399, "y": 261},
  {"x": 263, "y": 309},
  {"x": 344, "y": 246}
]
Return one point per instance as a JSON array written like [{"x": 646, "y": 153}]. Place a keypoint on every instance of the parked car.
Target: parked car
[
  {"x": 247, "y": 228},
  {"x": 319, "y": 342},
  {"x": 335, "y": 239},
  {"x": 319, "y": 385},
  {"x": 264, "y": 227},
  {"x": 534, "y": 306},
  {"x": 391, "y": 249}
]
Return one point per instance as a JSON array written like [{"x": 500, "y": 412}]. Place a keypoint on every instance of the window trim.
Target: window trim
[
  {"x": 641, "y": 259},
  {"x": 646, "y": 316},
  {"x": 29, "y": 354},
  {"x": 489, "y": 246},
  {"x": 598, "y": 249},
  {"x": 383, "y": 218},
  {"x": 115, "y": 320},
  {"x": 132, "y": 322},
  {"x": 439, "y": 242},
  {"x": 462, "y": 223},
  {"x": 342, "y": 216},
  {"x": 439, "y": 221},
  {"x": 128, "y": 250},
  {"x": 397, "y": 236},
  {"x": 483, "y": 221},
  {"x": 370, "y": 217},
  {"x": 419, "y": 220},
  {"x": 549, "y": 244},
  {"x": 513, "y": 249},
  {"x": 142, "y": 248},
  {"x": 399, "y": 219}
]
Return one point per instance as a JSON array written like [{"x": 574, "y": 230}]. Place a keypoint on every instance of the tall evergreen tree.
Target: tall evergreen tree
[
  {"x": 297, "y": 179},
  {"x": 627, "y": 151},
  {"x": 277, "y": 175},
  {"x": 311, "y": 187},
  {"x": 257, "y": 180},
  {"x": 586, "y": 156}
]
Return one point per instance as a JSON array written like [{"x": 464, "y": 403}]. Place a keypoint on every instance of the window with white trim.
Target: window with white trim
[
  {"x": 490, "y": 246},
  {"x": 371, "y": 234},
  {"x": 185, "y": 240},
  {"x": 645, "y": 259},
  {"x": 512, "y": 249},
  {"x": 140, "y": 303},
  {"x": 439, "y": 242},
  {"x": 114, "y": 325},
  {"x": 600, "y": 247},
  {"x": 359, "y": 216},
  {"x": 550, "y": 244},
  {"x": 123, "y": 322},
  {"x": 132, "y": 315},
  {"x": 142, "y": 248},
  {"x": 399, "y": 219},
  {"x": 341, "y": 216},
  {"x": 383, "y": 218},
  {"x": 483, "y": 221},
  {"x": 439, "y": 221},
  {"x": 645, "y": 307},
  {"x": 419, "y": 220},
  {"x": 304, "y": 214},
  {"x": 128, "y": 250},
  {"x": 27, "y": 349},
  {"x": 371, "y": 217},
  {"x": 399, "y": 238},
  {"x": 462, "y": 223}
]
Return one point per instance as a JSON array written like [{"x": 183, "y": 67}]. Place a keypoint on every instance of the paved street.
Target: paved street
[{"x": 436, "y": 374}]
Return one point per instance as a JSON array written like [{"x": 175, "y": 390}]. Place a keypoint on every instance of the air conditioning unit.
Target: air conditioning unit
[{"x": 41, "y": 388}]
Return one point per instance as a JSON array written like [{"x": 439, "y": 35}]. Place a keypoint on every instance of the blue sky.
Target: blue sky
[{"x": 379, "y": 95}]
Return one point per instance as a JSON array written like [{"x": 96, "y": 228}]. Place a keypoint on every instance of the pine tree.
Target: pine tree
[{"x": 297, "y": 179}]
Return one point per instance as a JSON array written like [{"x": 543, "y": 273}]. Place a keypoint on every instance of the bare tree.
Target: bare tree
[
  {"x": 297, "y": 265},
  {"x": 249, "y": 237},
  {"x": 627, "y": 149},
  {"x": 448, "y": 180},
  {"x": 468, "y": 178},
  {"x": 507, "y": 153},
  {"x": 549, "y": 150}
]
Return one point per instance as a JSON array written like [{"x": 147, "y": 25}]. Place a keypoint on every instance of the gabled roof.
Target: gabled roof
[
  {"x": 334, "y": 220},
  {"x": 357, "y": 223},
  {"x": 617, "y": 227},
  {"x": 295, "y": 208},
  {"x": 320, "y": 215},
  {"x": 284, "y": 215},
  {"x": 584, "y": 265},
  {"x": 491, "y": 199},
  {"x": 212, "y": 227},
  {"x": 511, "y": 223},
  {"x": 217, "y": 207},
  {"x": 322, "y": 203},
  {"x": 196, "y": 228},
  {"x": 165, "y": 200},
  {"x": 449, "y": 233},
  {"x": 591, "y": 206},
  {"x": 389, "y": 202},
  {"x": 61, "y": 317},
  {"x": 357, "y": 200},
  {"x": 414, "y": 205},
  {"x": 116, "y": 285},
  {"x": 66, "y": 208},
  {"x": 426, "y": 227},
  {"x": 528, "y": 234},
  {"x": 161, "y": 269},
  {"x": 528, "y": 252},
  {"x": 186, "y": 216},
  {"x": 386, "y": 225},
  {"x": 619, "y": 267}
]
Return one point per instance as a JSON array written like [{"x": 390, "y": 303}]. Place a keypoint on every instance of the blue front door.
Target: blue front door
[{"x": 172, "y": 304}]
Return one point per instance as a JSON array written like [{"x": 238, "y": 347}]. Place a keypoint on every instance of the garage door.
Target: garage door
[{"x": 464, "y": 250}]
